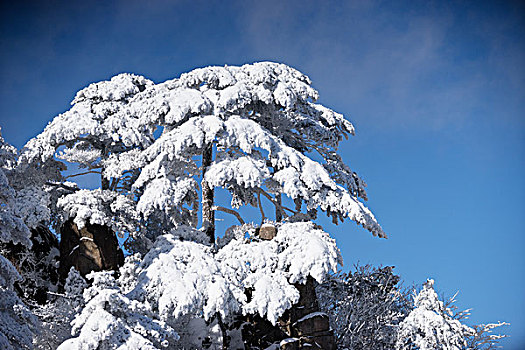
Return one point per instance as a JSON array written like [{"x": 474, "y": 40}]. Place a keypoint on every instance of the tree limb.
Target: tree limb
[
  {"x": 267, "y": 195},
  {"x": 260, "y": 207},
  {"x": 229, "y": 211},
  {"x": 84, "y": 173},
  {"x": 66, "y": 187}
]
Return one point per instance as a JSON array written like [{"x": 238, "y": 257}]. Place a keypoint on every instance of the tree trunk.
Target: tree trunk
[
  {"x": 92, "y": 248},
  {"x": 278, "y": 211},
  {"x": 208, "y": 214}
]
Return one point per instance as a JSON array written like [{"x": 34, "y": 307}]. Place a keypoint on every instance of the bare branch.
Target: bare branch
[
  {"x": 267, "y": 195},
  {"x": 260, "y": 207},
  {"x": 229, "y": 211},
  {"x": 84, "y": 173}
]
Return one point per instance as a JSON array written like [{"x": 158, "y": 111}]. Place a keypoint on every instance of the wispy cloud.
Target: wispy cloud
[{"x": 430, "y": 66}]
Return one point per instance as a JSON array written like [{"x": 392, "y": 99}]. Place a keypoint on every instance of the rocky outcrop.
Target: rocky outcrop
[
  {"x": 91, "y": 248},
  {"x": 305, "y": 325},
  {"x": 301, "y": 327}
]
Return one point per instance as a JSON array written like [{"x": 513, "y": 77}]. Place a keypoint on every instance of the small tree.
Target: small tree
[{"x": 434, "y": 324}]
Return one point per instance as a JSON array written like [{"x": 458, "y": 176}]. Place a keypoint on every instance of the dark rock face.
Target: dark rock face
[
  {"x": 301, "y": 327},
  {"x": 267, "y": 232},
  {"x": 92, "y": 248},
  {"x": 305, "y": 322},
  {"x": 259, "y": 333}
]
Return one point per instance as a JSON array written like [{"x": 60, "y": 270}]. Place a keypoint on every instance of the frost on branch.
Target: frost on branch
[
  {"x": 12, "y": 226},
  {"x": 368, "y": 309},
  {"x": 17, "y": 323},
  {"x": 57, "y": 314},
  {"x": 364, "y": 307}
]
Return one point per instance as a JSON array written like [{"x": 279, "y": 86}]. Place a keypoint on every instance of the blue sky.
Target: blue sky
[{"x": 435, "y": 90}]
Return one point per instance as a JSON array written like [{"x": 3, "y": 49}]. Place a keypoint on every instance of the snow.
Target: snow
[
  {"x": 311, "y": 315},
  {"x": 182, "y": 277},
  {"x": 112, "y": 320},
  {"x": 430, "y": 324}
]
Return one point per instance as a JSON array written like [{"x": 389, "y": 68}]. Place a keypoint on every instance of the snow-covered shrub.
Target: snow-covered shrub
[
  {"x": 364, "y": 307},
  {"x": 18, "y": 325},
  {"x": 434, "y": 324}
]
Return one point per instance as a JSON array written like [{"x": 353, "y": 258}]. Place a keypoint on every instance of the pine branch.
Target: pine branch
[{"x": 229, "y": 211}]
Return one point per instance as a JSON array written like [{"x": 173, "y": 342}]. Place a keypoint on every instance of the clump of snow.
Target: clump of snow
[{"x": 180, "y": 277}]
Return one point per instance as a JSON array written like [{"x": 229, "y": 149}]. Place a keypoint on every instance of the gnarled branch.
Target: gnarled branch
[
  {"x": 267, "y": 195},
  {"x": 229, "y": 211}
]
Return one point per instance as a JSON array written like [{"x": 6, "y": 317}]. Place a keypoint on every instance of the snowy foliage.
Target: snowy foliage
[
  {"x": 368, "y": 309},
  {"x": 483, "y": 339},
  {"x": 262, "y": 118},
  {"x": 93, "y": 124},
  {"x": 181, "y": 281},
  {"x": 57, "y": 314},
  {"x": 100, "y": 207},
  {"x": 430, "y": 324},
  {"x": 110, "y": 320},
  {"x": 12, "y": 226},
  {"x": 181, "y": 277},
  {"x": 258, "y": 115},
  {"x": 17, "y": 323}
]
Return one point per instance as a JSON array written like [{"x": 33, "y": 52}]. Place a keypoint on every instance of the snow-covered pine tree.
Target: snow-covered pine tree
[
  {"x": 431, "y": 324},
  {"x": 255, "y": 130},
  {"x": 263, "y": 126},
  {"x": 436, "y": 324}
]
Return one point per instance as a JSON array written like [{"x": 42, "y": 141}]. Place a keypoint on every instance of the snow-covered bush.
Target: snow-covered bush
[
  {"x": 364, "y": 307},
  {"x": 18, "y": 325},
  {"x": 434, "y": 324}
]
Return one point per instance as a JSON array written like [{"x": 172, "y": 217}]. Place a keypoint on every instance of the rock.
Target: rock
[
  {"x": 290, "y": 344},
  {"x": 267, "y": 232},
  {"x": 92, "y": 248},
  {"x": 305, "y": 321},
  {"x": 313, "y": 323}
]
